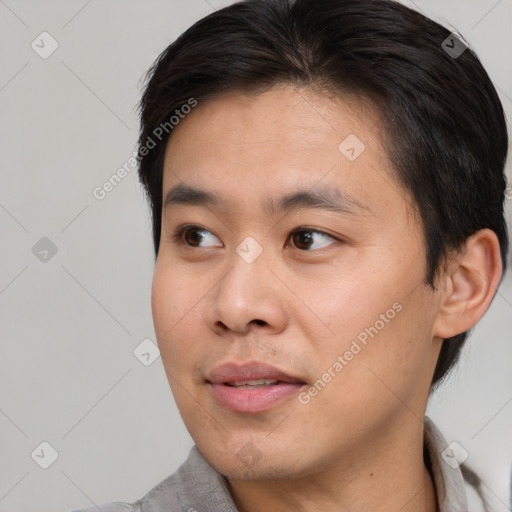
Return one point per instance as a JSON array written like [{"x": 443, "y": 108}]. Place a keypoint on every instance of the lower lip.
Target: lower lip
[{"x": 253, "y": 400}]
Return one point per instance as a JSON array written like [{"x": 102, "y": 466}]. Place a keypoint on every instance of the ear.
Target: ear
[{"x": 470, "y": 282}]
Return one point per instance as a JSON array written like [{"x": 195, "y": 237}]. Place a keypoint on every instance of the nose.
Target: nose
[{"x": 248, "y": 297}]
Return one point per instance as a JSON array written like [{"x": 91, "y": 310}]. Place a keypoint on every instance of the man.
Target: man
[{"x": 326, "y": 182}]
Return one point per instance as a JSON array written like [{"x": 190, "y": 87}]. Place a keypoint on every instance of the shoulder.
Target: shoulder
[
  {"x": 194, "y": 486},
  {"x": 164, "y": 497},
  {"x": 115, "y": 506}
]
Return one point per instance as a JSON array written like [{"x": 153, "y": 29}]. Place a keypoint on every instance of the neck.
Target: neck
[{"x": 385, "y": 478}]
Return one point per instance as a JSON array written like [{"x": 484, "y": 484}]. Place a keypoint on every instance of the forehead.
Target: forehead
[
  {"x": 267, "y": 144},
  {"x": 297, "y": 119}
]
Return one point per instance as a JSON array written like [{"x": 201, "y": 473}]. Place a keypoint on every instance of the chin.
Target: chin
[{"x": 244, "y": 460}]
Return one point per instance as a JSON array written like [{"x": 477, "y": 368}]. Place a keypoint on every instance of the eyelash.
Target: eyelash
[{"x": 177, "y": 236}]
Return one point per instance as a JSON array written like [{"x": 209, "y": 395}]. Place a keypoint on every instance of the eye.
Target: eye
[
  {"x": 304, "y": 238},
  {"x": 191, "y": 235}
]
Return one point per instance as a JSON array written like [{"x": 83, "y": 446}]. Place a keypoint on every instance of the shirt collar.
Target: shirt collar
[
  {"x": 448, "y": 479},
  {"x": 200, "y": 485}
]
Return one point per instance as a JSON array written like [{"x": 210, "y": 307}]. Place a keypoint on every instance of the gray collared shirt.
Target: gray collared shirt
[{"x": 198, "y": 487}]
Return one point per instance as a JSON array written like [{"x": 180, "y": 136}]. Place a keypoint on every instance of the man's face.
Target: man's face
[{"x": 339, "y": 304}]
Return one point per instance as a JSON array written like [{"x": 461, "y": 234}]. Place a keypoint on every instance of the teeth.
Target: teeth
[{"x": 248, "y": 383}]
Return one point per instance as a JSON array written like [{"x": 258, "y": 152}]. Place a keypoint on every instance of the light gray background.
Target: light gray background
[{"x": 69, "y": 326}]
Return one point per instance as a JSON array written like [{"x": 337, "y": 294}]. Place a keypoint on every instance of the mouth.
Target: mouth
[
  {"x": 252, "y": 387},
  {"x": 253, "y": 384},
  {"x": 253, "y": 398},
  {"x": 252, "y": 373}
]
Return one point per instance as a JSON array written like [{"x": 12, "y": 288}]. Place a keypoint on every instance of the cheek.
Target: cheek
[
  {"x": 380, "y": 327},
  {"x": 348, "y": 305},
  {"x": 389, "y": 361},
  {"x": 175, "y": 309},
  {"x": 163, "y": 298}
]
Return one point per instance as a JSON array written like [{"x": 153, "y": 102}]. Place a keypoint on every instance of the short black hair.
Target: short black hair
[{"x": 443, "y": 125}]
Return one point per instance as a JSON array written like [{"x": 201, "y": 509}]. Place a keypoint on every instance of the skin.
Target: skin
[{"x": 358, "y": 444}]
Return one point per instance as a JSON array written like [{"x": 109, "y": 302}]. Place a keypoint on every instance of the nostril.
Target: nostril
[{"x": 259, "y": 322}]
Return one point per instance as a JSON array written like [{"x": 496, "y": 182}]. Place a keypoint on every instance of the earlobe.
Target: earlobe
[{"x": 471, "y": 282}]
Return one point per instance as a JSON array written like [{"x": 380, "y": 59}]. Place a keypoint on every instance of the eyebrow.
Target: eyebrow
[{"x": 322, "y": 198}]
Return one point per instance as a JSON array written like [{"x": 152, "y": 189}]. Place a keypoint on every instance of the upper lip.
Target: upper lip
[{"x": 253, "y": 370}]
